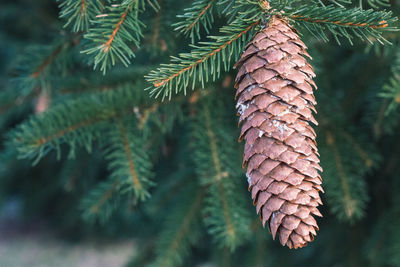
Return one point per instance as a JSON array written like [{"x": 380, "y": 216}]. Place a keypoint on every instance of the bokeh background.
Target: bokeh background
[{"x": 42, "y": 220}]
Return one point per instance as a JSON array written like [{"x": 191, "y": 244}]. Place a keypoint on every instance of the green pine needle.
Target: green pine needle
[
  {"x": 79, "y": 13},
  {"x": 367, "y": 25},
  {"x": 127, "y": 160},
  {"x": 226, "y": 216},
  {"x": 113, "y": 33},
  {"x": 203, "y": 61},
  {"x": 198, "y": 16}
]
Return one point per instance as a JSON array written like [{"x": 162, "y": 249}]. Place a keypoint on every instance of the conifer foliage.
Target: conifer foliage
[{"x": 119, "y": 117}]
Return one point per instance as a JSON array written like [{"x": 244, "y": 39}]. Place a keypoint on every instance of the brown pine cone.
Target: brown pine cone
[{"x": 275, "y": 103}]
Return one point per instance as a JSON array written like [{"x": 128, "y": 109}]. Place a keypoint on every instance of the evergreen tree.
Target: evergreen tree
[{"x": 118, "y": 119}]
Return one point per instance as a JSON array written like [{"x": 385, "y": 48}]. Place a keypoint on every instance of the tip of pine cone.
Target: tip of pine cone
[{"x": 299, "y": 246}]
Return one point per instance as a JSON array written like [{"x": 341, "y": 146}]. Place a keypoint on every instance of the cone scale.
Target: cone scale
[{"x": 275, "y": 102}]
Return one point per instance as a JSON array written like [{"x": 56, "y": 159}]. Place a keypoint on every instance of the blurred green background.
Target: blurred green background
[{"x": 42, "y": 216}]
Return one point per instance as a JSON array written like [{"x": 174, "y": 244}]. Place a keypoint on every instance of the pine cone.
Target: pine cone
[{"x": 275, "y": 99}]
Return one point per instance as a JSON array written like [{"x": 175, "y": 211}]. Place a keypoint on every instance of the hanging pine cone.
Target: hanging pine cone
[{"x": 275, "y": 99}]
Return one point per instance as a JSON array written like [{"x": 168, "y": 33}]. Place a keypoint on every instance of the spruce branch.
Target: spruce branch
[
  {"x": 203, "y": 61},
  {"x": 112, "y": 34},
  {"x": 198, "y": 15},
  {"x": 79, "y": 13},
  {"x": 350, "y": 202},
  {"x": 127, "y": 160},
  {"x": 347, "y": 156},
  {"x": 79, "y": 122},
  {"x": 62, "y": 124},
  {"x": 76, "y": 122},
  {"x": 225, "y": 216},
  {"x": 46, "y": 62},
  {"x": 219, "y": 191},
  {"x": 36, "y": 66},
  {"x": 101, "y": 201},
  {"x": 345, "y": 187},
  {"x": 367, "y": 25},
  {"x": 358, "y": 148}
]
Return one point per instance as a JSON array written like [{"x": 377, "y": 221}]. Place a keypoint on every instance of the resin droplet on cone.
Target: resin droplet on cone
[{"x": 275, "y": 103}]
